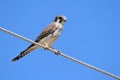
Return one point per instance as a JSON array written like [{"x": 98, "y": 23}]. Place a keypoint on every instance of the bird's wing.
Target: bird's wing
[{"x": 48, "y": 30}]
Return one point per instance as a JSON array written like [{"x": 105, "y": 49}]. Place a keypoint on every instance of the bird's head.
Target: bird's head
[{"x": 60, "y": 19}]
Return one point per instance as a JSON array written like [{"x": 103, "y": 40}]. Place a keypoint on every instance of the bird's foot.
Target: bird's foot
[
  {"x": 57, "y": 52},
  {"x": 46, "y": 48}
]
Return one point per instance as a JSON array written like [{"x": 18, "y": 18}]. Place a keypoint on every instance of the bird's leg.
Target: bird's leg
[{"x": 46, "y": 46}]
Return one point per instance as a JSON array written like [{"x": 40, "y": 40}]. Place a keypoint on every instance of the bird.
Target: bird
[{"x": 47, "y": 37}]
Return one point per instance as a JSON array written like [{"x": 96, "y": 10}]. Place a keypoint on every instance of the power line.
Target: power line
[{"x": 60, "y": 53}]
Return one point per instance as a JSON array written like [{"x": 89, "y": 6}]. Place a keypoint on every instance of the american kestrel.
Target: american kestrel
[{"x": 47, "y": 37}]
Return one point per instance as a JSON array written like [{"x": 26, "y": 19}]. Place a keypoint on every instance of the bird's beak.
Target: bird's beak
[{"x": 65, "y": 20}]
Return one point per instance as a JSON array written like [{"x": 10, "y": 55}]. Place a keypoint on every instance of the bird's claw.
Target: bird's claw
[
  {"x": 57, "y": 52},
  {"x": 46, "y": 48}
]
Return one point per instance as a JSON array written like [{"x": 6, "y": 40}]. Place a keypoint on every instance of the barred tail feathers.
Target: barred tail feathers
[{"x": 25, "y": 52}]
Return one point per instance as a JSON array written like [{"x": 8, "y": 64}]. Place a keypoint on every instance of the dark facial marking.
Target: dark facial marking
[
  {"x": 56, "y": 19},
  {"x": 60, "y": 19}
]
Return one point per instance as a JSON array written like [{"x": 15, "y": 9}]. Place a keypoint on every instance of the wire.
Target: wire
[{"x": 60, "y": 53}]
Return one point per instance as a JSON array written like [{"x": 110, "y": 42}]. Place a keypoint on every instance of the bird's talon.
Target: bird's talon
[
  {"x": 57, "y": 52},
  {"x": 46, "y": 48}
]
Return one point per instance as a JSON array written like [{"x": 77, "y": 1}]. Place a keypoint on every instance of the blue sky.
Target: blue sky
[{"x": 91, "y": 34}]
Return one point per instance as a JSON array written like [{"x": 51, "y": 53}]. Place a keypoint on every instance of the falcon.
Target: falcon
[{"x": 47, "y": 37}]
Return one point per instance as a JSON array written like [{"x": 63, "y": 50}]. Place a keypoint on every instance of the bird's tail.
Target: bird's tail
[{"x": 25, "y": 52}]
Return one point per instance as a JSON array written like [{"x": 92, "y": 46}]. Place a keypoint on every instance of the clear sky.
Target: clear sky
[{"x": 91, "y": 34}]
